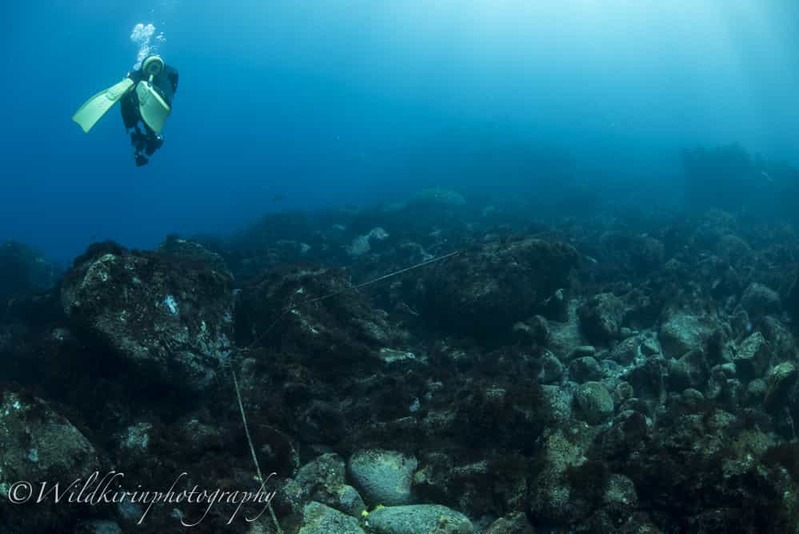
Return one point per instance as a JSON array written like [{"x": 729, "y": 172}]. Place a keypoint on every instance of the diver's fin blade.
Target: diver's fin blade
[
  {"x": 154, "y": 109},
  {"x": 97, "y": 106}
]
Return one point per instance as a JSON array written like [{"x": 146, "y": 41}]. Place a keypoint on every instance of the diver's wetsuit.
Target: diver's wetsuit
[{"x": 144, "y": 140}]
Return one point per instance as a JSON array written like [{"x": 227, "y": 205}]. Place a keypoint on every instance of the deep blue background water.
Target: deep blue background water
[{"x": 349, "y": 102}]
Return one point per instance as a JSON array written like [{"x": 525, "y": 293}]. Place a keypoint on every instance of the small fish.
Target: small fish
[{"x": 767, "y": 177}]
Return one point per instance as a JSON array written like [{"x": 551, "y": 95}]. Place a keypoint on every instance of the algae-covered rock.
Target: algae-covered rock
[
  {"x": 483, "y": 292},
  {"x": 167, "y": 318},
  {"x": 419, "y": 519},
  {"x": 383, "y": 477},
  {"x": 317, "y": 314},
  {"x": 682, "y": 332},
  {"x": 513, "y": 523},
  {"x": 759, "y": 300},
  {"x": 601, "y": 318},
  {"x": 320, "y": 519},
  {"x": 594, "y": 402},
  {"x": 39, "y": 447},
  {"x": 324, "y": 479},
  {"x": 752, "y": 357},
  {"x": 550, "y": 491}
]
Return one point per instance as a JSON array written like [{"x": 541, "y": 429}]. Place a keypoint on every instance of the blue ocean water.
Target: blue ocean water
[{"x": 295, "y": 105}]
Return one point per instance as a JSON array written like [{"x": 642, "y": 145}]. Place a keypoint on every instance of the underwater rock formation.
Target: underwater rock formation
[
  {"x": 483, "y": 291},
  {"x": 166, "y": 316},
  {"x": 40, "y": 448},
  {"x": 477, "y": 371},
  {"x": 318, "y": 314}
]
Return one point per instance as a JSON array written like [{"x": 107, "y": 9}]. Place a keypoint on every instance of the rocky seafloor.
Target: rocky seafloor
[{"x": 432, "y": 366}]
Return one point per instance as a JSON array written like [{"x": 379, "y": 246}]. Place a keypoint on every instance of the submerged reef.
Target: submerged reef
[{"x": 436, "y": 365}]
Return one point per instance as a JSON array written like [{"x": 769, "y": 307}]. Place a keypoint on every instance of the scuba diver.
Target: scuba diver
[{"x": 145, "y": 97}]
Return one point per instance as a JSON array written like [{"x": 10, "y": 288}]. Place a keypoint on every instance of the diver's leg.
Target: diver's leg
[
  {"x": 153, "y": 141},
  {"x": 129, "y": 107},
  {"x": 139, "y": 141},
  {"x": 132, "y": 120}
]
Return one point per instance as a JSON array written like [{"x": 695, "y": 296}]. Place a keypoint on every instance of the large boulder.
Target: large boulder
[
  {"x": 382, "y": 476},
  {"x": 164, "y": 316},
  {"x": 759, "y": 300},
  {"x": 681, "y": 332},
  {"x": 40, "y": 448},
  {"x": 601, "y": 318},
  {"x": 483, "y": 292},
  {"x": 318, "y": 316}
]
